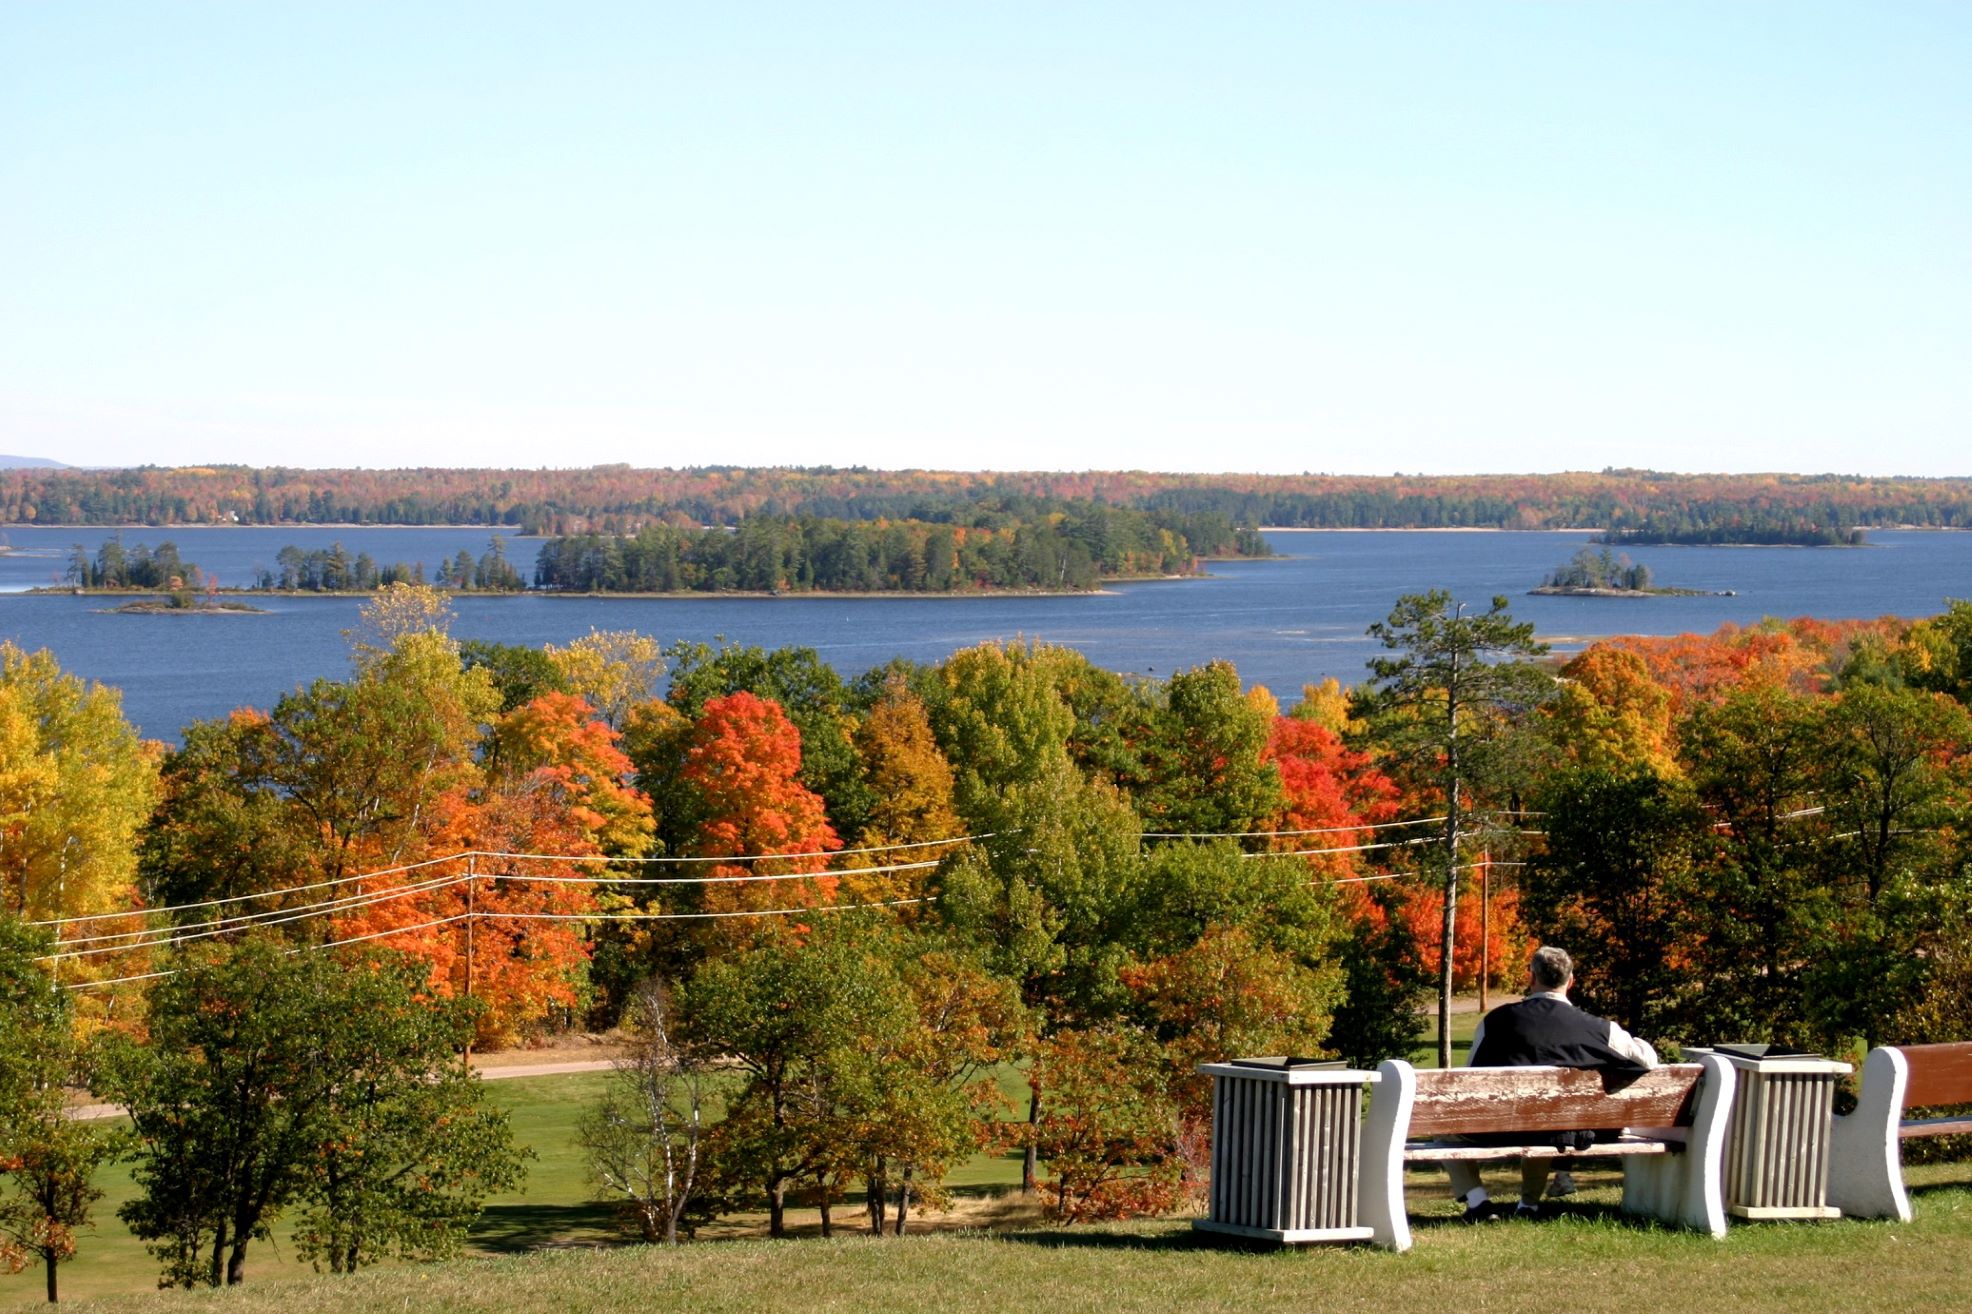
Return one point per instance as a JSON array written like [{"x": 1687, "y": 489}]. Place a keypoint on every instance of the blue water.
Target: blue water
[{"x": 1285, "y": 622}]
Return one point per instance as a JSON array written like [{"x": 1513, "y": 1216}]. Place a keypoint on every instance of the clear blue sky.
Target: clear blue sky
[{"x": 1366, "y": 237}]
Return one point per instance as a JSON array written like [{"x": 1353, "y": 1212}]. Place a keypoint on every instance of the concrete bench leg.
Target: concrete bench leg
[
  {"x": 1380, "y": 1189},
  {"x": 1688, "y": 1190},
  {"x": 1865, "y": 1157}
]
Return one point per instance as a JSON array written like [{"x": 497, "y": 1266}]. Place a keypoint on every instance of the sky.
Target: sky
[{"x": 1357, "y": 238}]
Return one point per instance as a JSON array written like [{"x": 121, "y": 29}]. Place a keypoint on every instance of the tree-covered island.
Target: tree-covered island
[{"x": 1593, "y": 574}]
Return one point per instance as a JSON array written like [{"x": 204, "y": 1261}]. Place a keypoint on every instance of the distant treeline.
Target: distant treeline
[
  {"x": 1724, "y": 527},
  {"x": 140, "y": 567},
  {"x": 1076, "y": 549},
  {"x": 333, "y": 570},
  {"x": 618, "y": 499}
]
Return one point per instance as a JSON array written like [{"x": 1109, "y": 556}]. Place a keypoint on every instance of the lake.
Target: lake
[{"x": 1285, "y": 622}]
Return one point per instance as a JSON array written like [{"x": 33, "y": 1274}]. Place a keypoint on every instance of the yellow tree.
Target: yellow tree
[
  {"x": 1611, "y": 713},
  {"x": 911, "y": 787},
  {"x": 76, "y": 785},
  {"x": 614, "y": 669}
]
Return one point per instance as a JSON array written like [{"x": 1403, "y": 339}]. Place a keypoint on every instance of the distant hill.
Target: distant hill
[
  {"x": 30, "y": 463},
  {"x": 616, "y": 499}
]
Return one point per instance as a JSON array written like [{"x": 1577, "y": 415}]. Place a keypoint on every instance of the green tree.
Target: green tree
[
  {"x": 408, "y": 1150},
  {"x": 49, "y": 1160},
  {"x": 804, "y": 1020},
  {"x": 1765, "y": 908},
  {"x": 276, "y": 1078},
  {"x": 643, "y": 1138},
  {"x": 1625, "y": 852},
  {"x": 1438, "y": 708},
  {"x": 1208, "y": 766},
  {"x": 1894, "y": 765},
  {"x": 520, "y": 673}
]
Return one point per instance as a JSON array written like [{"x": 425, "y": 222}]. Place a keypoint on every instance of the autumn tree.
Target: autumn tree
[
  {"x": 1109, "y": 1134},
  {"x": 76, "y": 786},
  {"x": 1939, "y": 656},
  {"x": 614, "y": 670},
  {"x": 1229, "y": 994},
  {"x": 743, "y": 764},
  {"x": 1335, "y": 795},
  {"x": 809, "y": 693},
  {"x": 1437, "y": 708},
  {"x": 938, "y": 1102},
  {"x": 910, "y": 781},
  {"x": 1609, "y": 712}
]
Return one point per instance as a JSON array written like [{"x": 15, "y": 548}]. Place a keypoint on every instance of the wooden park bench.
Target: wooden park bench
[
  {"x": 1672, "y": 1150},
  {"x": 1865, "y": 1172}
]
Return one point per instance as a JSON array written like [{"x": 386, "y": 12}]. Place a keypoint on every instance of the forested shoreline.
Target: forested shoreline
[
  {"x": 1074, "y": 548},
  {"x": 830, "y": 910},
  {"x": 622, "y": 500}
]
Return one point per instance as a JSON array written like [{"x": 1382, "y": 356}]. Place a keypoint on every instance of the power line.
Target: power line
[
  {"x": 1283, "y": 834},
  {"x": 246, "y": 921},
  {"x": 532, "y": 917},
  {"x": 464, "y": 854}
]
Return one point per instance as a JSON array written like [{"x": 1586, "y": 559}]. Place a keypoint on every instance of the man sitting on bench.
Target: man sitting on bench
[{"x": 1543, "y": 1030}]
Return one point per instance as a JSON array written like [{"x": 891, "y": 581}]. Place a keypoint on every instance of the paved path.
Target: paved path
[{"x": 496, "y": 1072}]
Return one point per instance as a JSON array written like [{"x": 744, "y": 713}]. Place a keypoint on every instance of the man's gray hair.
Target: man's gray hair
[{"x": 1552, "y": 967}]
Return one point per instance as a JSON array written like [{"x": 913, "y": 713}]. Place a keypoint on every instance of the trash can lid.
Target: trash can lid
[{"x": 1764, "y": 1051}]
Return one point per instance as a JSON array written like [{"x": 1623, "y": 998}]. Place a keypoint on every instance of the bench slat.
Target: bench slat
[
  {"x": 1469, "y": 1101},
  {"x": 1939, "y": 1074},
  {"x": 1442, "y": 1153}
]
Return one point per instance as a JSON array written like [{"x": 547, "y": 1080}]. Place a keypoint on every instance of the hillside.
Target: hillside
[{"x": 620, "y": 499}]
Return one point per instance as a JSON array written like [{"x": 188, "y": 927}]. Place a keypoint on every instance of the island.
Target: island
[
  {"x": 1750, "y": 530},
  {"x": 1593, "y": 574},
  {"x": 184, "y": 604}
]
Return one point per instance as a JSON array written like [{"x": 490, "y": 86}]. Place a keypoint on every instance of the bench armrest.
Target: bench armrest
[{"x": 1865, "y": 1161}]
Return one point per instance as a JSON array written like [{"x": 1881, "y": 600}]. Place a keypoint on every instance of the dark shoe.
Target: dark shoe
[
  {"x": 1485, "y": 1212},
  {"x": 1526, "y": 1213}
]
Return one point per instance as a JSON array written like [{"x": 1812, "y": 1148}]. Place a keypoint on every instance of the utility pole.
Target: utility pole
[
  {"x": 472, "y": 916},
  {"x": 1485, "y": 926}
]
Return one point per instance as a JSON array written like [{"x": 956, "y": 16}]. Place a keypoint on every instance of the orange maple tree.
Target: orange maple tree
[{"x": 743, "y": 764}]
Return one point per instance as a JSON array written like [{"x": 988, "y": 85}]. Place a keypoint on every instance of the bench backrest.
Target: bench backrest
[
  {"x": 1467, "y": 1101},
  {"x": 1939, "y": 1074}
]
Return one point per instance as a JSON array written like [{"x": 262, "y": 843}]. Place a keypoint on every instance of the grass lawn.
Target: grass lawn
[
  {"x": 550, "y": 1246},
  {"x": 1590, "y": 1260},
  {"x": 553, "y": 1208}
]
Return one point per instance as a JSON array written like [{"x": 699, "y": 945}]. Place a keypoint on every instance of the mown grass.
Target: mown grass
[
  {"x": 1590, "y": 1260},
  {"x": 550, "y": 1246},
  {"x": 554, "y": 1208}
]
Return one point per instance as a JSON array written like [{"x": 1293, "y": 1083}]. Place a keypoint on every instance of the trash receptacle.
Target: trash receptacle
[
  {"x": 1783, "y": 1111},
  {"x": 1286, "y": 1149}
]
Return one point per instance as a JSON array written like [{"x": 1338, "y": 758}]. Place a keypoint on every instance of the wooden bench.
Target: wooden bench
[
  {"x": 1672, "y": 1154},
  {"x": 1865, "y": 1171}
]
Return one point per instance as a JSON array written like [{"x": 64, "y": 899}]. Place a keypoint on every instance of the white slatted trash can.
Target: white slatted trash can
[
  {"x": 1777, "y": 1147},
  {"x": 1286, "y": 1150}
]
